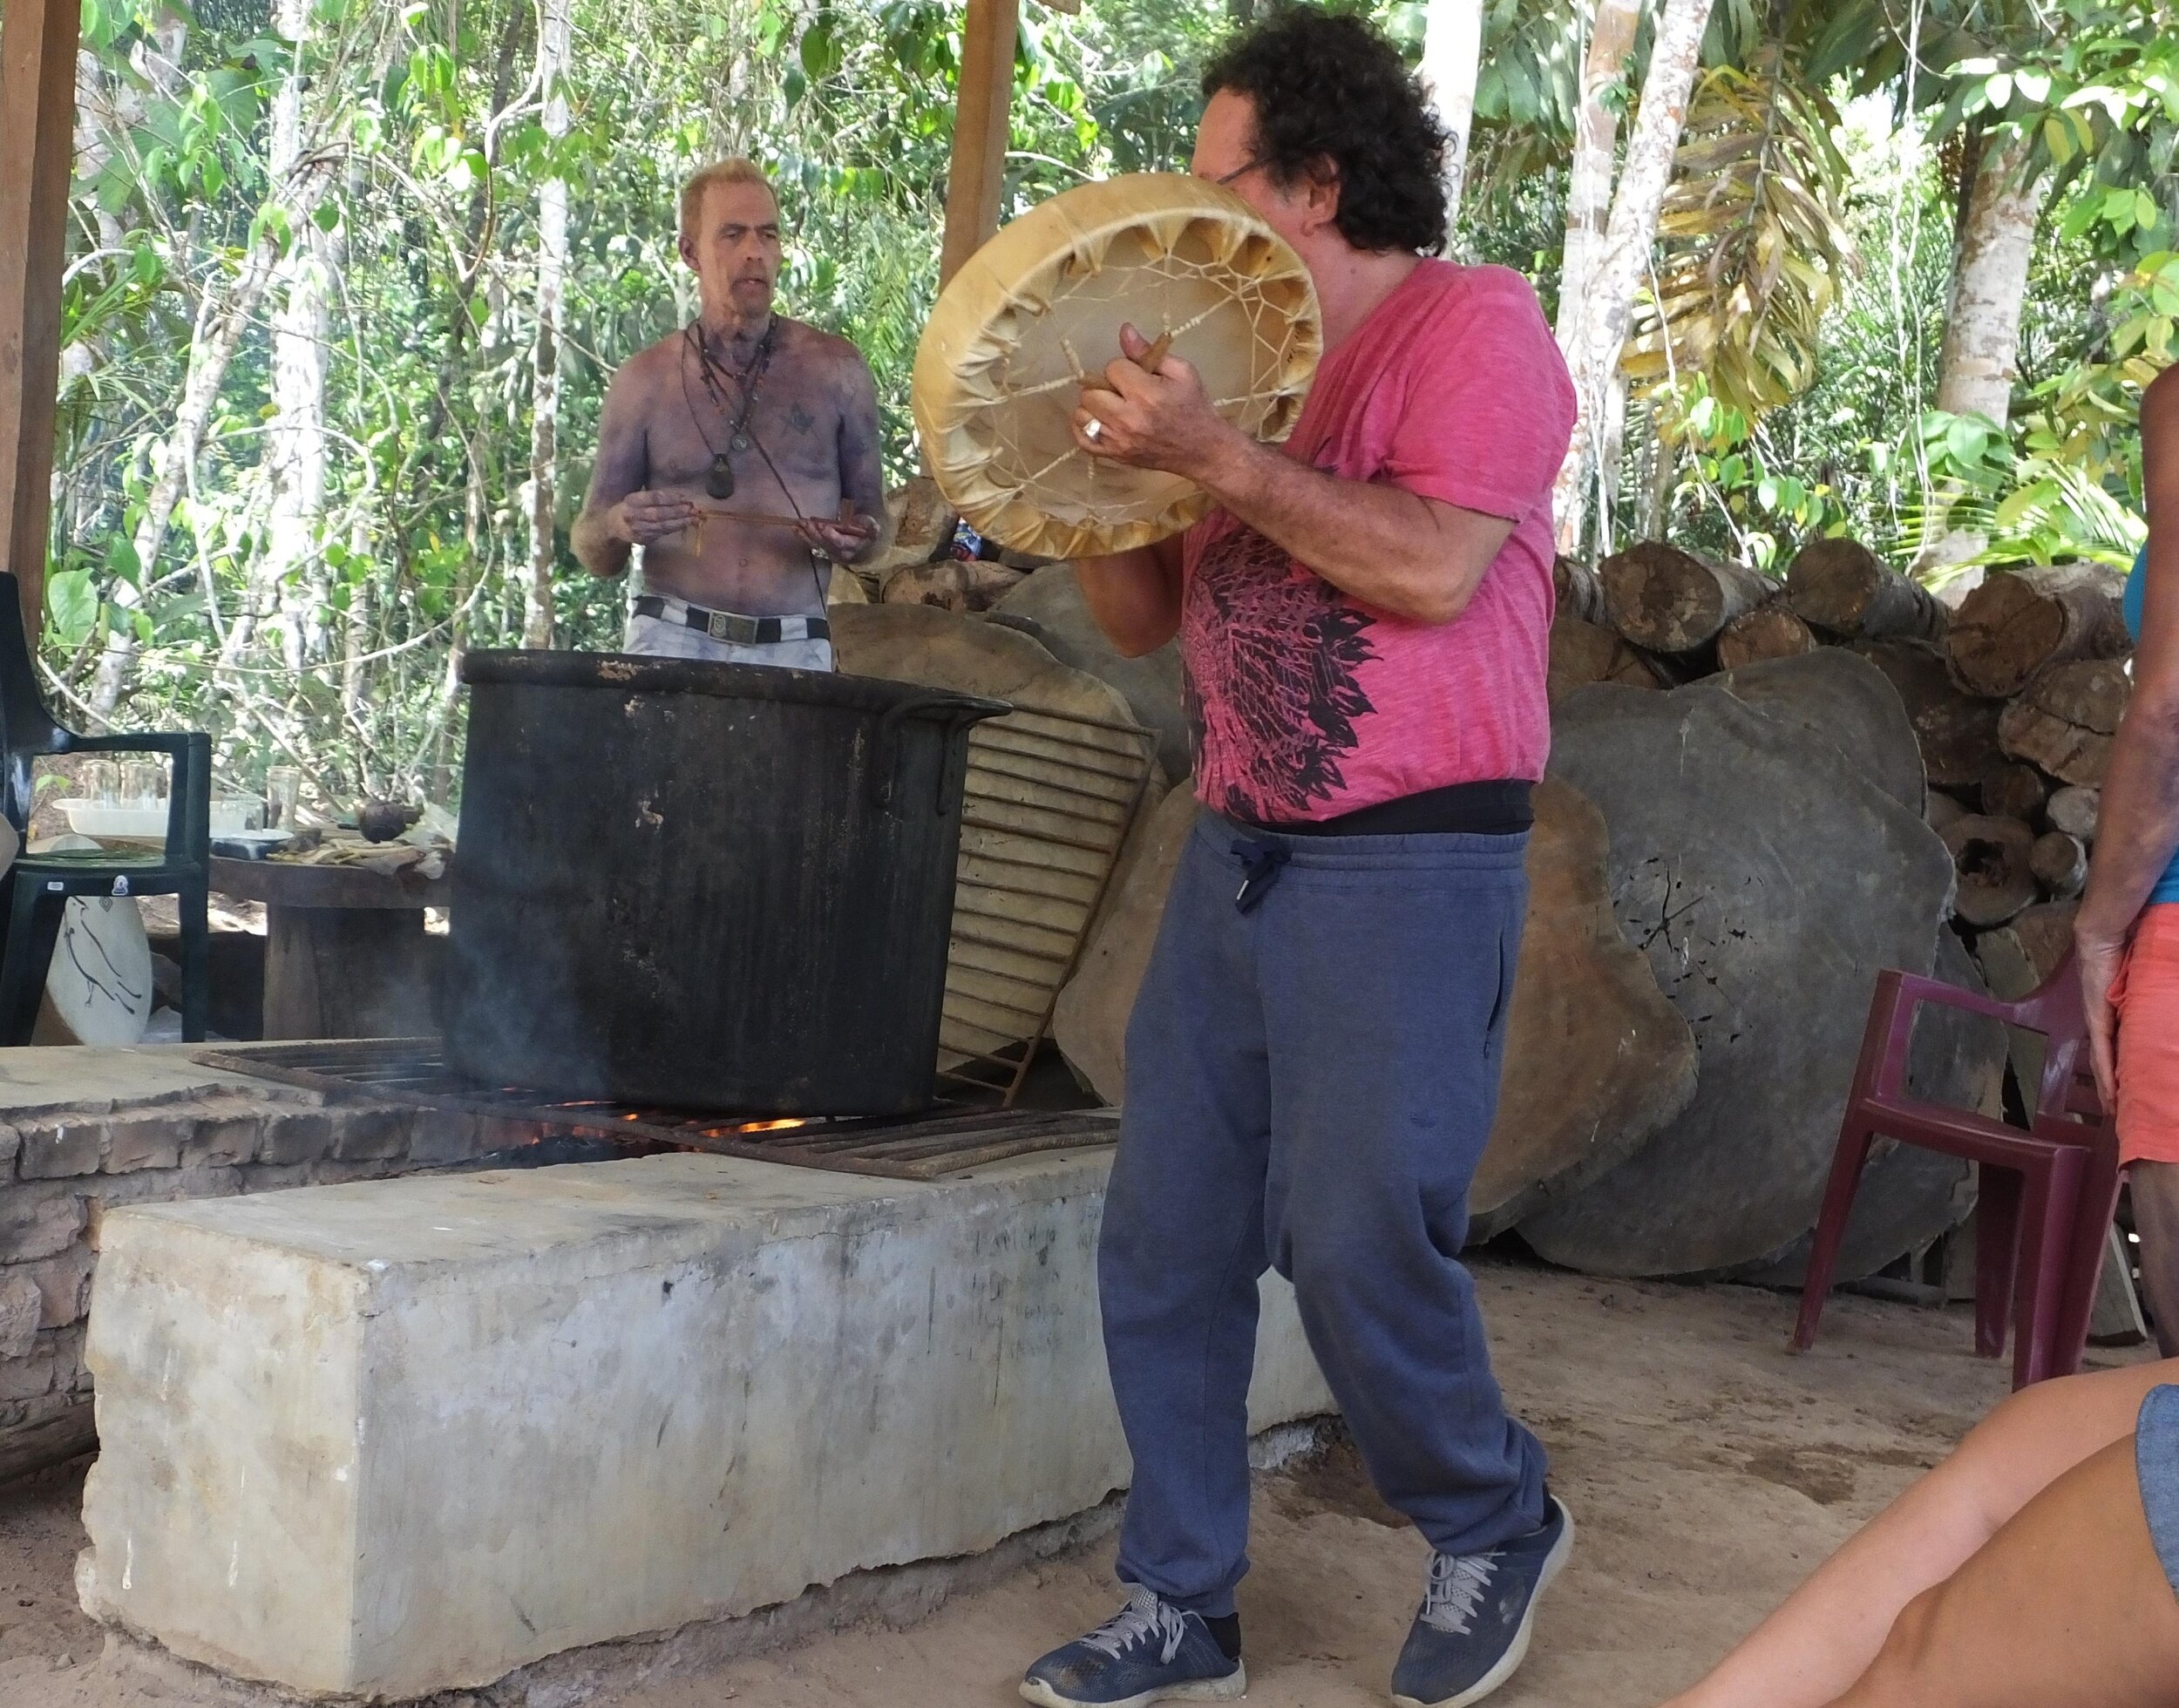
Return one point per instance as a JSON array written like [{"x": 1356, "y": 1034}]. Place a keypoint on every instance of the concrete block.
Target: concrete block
[
  {"x": 65, "y": 1149},
  {"x": 440, "y": 1138},
  {"x": 370, "y": 1135},
  {"x": 63, "y": 1285},
  {"x": 218, "y": 1141},
  {"x": 10, "y": 1147},
  {"x": 296, "y": 1138},
  {"x": 442, "y": 1427},
  {"x": 21, "y": 1306},
  {"x": 37, "y": 1223},
  {"x": 152, "y": 1143},
  {"x": 27, "y": 1377}
]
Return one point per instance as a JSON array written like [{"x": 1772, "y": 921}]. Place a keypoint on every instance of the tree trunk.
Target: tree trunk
[
  {"x": 222, "y": 321},
  {"x": 1841, "y": 587},
  {"x": 555, "y": 30},
  {"x": 1596, "y": 143},
  {"x": 1674, "y": 601},
  {"x": 1615, "y": 272},
  {"x": 2017, "y": 623},
  {"x": 291, "y": 563},
  {"x": 1980, "y": 355},
  {"x": 1576, "y": 591},
  {"x": 1452, "y": 44}
]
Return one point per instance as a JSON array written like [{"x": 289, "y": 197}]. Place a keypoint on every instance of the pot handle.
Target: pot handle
[{"x": 953, "y": 710}]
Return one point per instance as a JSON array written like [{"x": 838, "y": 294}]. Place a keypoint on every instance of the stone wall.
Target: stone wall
[{"x": 83, "y": 1131}]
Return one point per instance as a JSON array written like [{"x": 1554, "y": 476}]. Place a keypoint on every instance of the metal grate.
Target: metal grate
[
  {"x": 1049, "y": 799},
  {"x": 414, "y": 1071}
]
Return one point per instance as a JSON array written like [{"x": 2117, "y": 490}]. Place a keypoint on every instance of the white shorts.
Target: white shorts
[{"x": 656, "y": 638}]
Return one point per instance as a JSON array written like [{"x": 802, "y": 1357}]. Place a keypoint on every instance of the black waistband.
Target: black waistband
[
  {"x": 729, "y": 626},
  {"x": 1497, "y": 808}
]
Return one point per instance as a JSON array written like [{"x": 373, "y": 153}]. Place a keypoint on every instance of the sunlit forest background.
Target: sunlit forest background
[{"x": 348, "y": 278}]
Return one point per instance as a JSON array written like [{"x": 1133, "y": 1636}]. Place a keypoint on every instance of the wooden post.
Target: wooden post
[
  {"x": 37, "y": 119},
  {"x": 981, "y": 116}
]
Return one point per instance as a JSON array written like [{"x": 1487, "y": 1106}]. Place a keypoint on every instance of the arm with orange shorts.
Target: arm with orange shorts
[{"x": 2137, "y": 830}]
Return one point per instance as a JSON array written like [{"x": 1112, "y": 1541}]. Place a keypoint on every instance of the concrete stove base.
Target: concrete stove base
[{"x": 405, "y": 1437}]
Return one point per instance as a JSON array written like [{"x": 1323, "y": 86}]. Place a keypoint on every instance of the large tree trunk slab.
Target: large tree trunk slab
[
  {"x": 2019, "y": 620},
  {"x": 1842, "y": 587},
  {"x": 1847, "y": 702},
  {"x": 1676, "y": 601},
  {"x": 1957, "y": 733},
  {"x": 1049, "y": 605},
  {"x": 1909, "y": 1195},
  {"x": 1089, "y": 1022},
  {"x": 1596, "y": 1059},
  {"x": 1769, "y": 882}
]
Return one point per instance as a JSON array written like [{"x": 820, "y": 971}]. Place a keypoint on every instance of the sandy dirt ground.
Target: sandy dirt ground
[{"x": 1709, "y": 1472}]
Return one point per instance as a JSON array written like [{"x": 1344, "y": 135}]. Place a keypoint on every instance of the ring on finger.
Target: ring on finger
[{"x": 1094, "y": 430}]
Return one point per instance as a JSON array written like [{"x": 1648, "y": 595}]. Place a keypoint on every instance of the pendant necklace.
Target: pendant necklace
[{"x": 719, "y": 483}]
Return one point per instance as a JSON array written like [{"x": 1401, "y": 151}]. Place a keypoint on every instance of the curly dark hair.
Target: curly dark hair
[{"x": 1328, "y": 87}]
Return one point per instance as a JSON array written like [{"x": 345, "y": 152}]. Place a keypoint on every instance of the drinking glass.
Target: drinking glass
[
  {"x": 143, "y": 784},
  {"x": 101, "y": 783},
  {"x": 284, "y": 790}
]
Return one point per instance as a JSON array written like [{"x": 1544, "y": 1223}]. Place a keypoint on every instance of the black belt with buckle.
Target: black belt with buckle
[{"x": 729, "y": 626}]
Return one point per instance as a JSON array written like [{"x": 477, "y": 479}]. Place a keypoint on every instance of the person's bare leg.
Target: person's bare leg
[
  {"x": 2067, "y": 1606},
  {"x": 1824, "y": 1636},
  {"x": 2156, "y": 1193}
]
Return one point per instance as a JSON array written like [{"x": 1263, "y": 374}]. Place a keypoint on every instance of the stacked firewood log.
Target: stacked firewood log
[{"x": 2014, "y": 696}]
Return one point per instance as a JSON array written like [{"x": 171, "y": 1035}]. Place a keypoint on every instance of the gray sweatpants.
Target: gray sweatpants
[{"x": 1310, "y": 1084}]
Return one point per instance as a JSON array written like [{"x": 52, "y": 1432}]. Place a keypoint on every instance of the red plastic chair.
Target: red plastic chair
[{"x": 2047, "y": 1192}]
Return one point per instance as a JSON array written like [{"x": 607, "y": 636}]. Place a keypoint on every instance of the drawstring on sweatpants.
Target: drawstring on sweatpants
[{"x": 1261, "y": 862}]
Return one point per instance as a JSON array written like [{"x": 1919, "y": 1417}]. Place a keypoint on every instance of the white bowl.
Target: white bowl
[{"x": 88, "y": 818}]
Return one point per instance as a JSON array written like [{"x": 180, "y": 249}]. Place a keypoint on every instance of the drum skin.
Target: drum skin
[{"x": 998, "y": 373}]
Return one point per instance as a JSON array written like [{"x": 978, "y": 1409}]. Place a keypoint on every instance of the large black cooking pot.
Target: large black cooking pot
[{"x": 716, "y": 887}]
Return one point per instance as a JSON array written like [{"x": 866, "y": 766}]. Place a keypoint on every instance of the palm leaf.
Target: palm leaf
[{"x": 1751, "y": 241}]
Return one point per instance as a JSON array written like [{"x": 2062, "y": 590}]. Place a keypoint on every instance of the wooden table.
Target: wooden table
[{"x": 346, "y": 953}]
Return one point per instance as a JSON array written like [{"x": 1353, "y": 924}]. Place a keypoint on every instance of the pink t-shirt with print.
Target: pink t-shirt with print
[{"x": 1308, "y": 703}]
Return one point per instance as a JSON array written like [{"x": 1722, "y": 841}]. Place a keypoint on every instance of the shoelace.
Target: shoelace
[
  {"x": 1144, "y": 1615},
  {"x": 1458, "y": 1582}
]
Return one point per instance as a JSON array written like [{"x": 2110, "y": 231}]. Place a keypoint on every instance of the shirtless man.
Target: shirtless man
[{"x": 749, "y": 411}]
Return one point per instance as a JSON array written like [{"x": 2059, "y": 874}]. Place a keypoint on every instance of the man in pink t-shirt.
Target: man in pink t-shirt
[{"x": 1312, "y": 1061}]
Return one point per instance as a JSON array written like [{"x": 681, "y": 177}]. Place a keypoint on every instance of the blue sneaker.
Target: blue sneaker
[
  {"x": 1149, "y": 1651},
  {"x": 1473, "y": 1630}
]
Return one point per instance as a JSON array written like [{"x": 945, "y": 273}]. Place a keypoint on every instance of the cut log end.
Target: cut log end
[
  {"x": 1769, "y": 631},
  {"x": 1842, "y": 587},
  {"x": 1676, "y": 601},
  {"x": 1582, "y": 652},
  {"x": 1992, "y": 857},
  {"x": 1576, "y": 590},
  {"x": 2074, "y": 809},
  {"x": 2018, "y": 622},
  {"x": 2060, "y": 864},
  {"x": 2014, "y": 791},
  {"x": 2065, "y": 717}
]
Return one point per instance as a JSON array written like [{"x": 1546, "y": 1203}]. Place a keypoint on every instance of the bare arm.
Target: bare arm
[
  {"x": 617, "y": 513},
  {"x": 1414, "y": 557},
  {"x": 1829, "y": 1631},
  {"x": 862, "y": 468},
  {"x": 1135, "y": 596},
  {"x": 2137, "y": 830}
]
